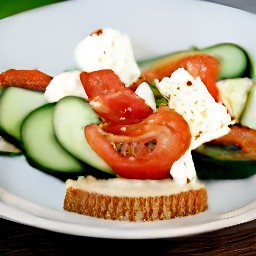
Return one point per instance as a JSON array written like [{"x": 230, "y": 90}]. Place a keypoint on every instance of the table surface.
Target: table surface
[{"x": 19, "y": 239}]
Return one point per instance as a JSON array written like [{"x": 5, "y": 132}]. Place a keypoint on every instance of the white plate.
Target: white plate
[{"x": 45, "y": 39}]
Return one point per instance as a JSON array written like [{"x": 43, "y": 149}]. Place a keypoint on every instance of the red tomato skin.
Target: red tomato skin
[
  {"x": 205, "y": 66},
  {"x": 242, "y": 137},
  {"x": 112, "y": 100},
  {"x": 164, "y": 116},
  {"x": 172, "y": 136},
  {"x": 100, "y": 82}
]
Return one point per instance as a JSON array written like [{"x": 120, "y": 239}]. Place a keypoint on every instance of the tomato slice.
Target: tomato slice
[
  {"x": 111, "y": 99},
  {"x": 145, "y": 150},
  {"x": 241, "y": 139},
  {"x": 205, "y": 66}
]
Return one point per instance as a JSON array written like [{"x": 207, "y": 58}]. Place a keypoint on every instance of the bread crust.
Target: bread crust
[{"x": 152, "y": 208}]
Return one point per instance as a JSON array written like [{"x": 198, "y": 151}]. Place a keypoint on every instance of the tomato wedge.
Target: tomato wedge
[
  {"x": 111, "y": 99},
  {"x": 205, "y": 66},
  {"x": 145, "y": 150}
]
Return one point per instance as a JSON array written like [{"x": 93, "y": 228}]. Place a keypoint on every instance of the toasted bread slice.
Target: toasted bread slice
[{"x": 134, "y": 200}]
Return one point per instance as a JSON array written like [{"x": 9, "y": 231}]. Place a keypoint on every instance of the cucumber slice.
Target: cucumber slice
[
  {"x": 234, "y": 93},
  {"x": 235, "y": 61},
  {"x": 71, "y": 115},
  {"x": 40, "y": 146},
  {"x": 15, "y": 104},
  {"x": 248, "y": 117},
  {"x": 212, "y": 162}
]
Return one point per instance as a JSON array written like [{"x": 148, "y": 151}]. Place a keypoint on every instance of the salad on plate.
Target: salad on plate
[{"x": 114, "y": 127}]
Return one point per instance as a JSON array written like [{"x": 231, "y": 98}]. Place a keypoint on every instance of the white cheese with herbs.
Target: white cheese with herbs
[
  {"x": 206, "y": 118},
  {"x": 108, "y": 49},
  {"x": 189, "y": 97}
]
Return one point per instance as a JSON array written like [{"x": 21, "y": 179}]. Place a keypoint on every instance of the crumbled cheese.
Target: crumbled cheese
[
  {"x": 183, "y": 170},
  {"x": 108, "y": 49},
  {"x": 144, "y": 91},
  {"x": 189, "y": 97},
  {"x": 104, "y": 49},
  {"x": 206, "y": 118},
  {"x": 65, "y": 84}
]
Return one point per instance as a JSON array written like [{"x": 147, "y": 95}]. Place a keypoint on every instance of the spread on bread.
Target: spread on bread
[{"x": 134, "y": 200}]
